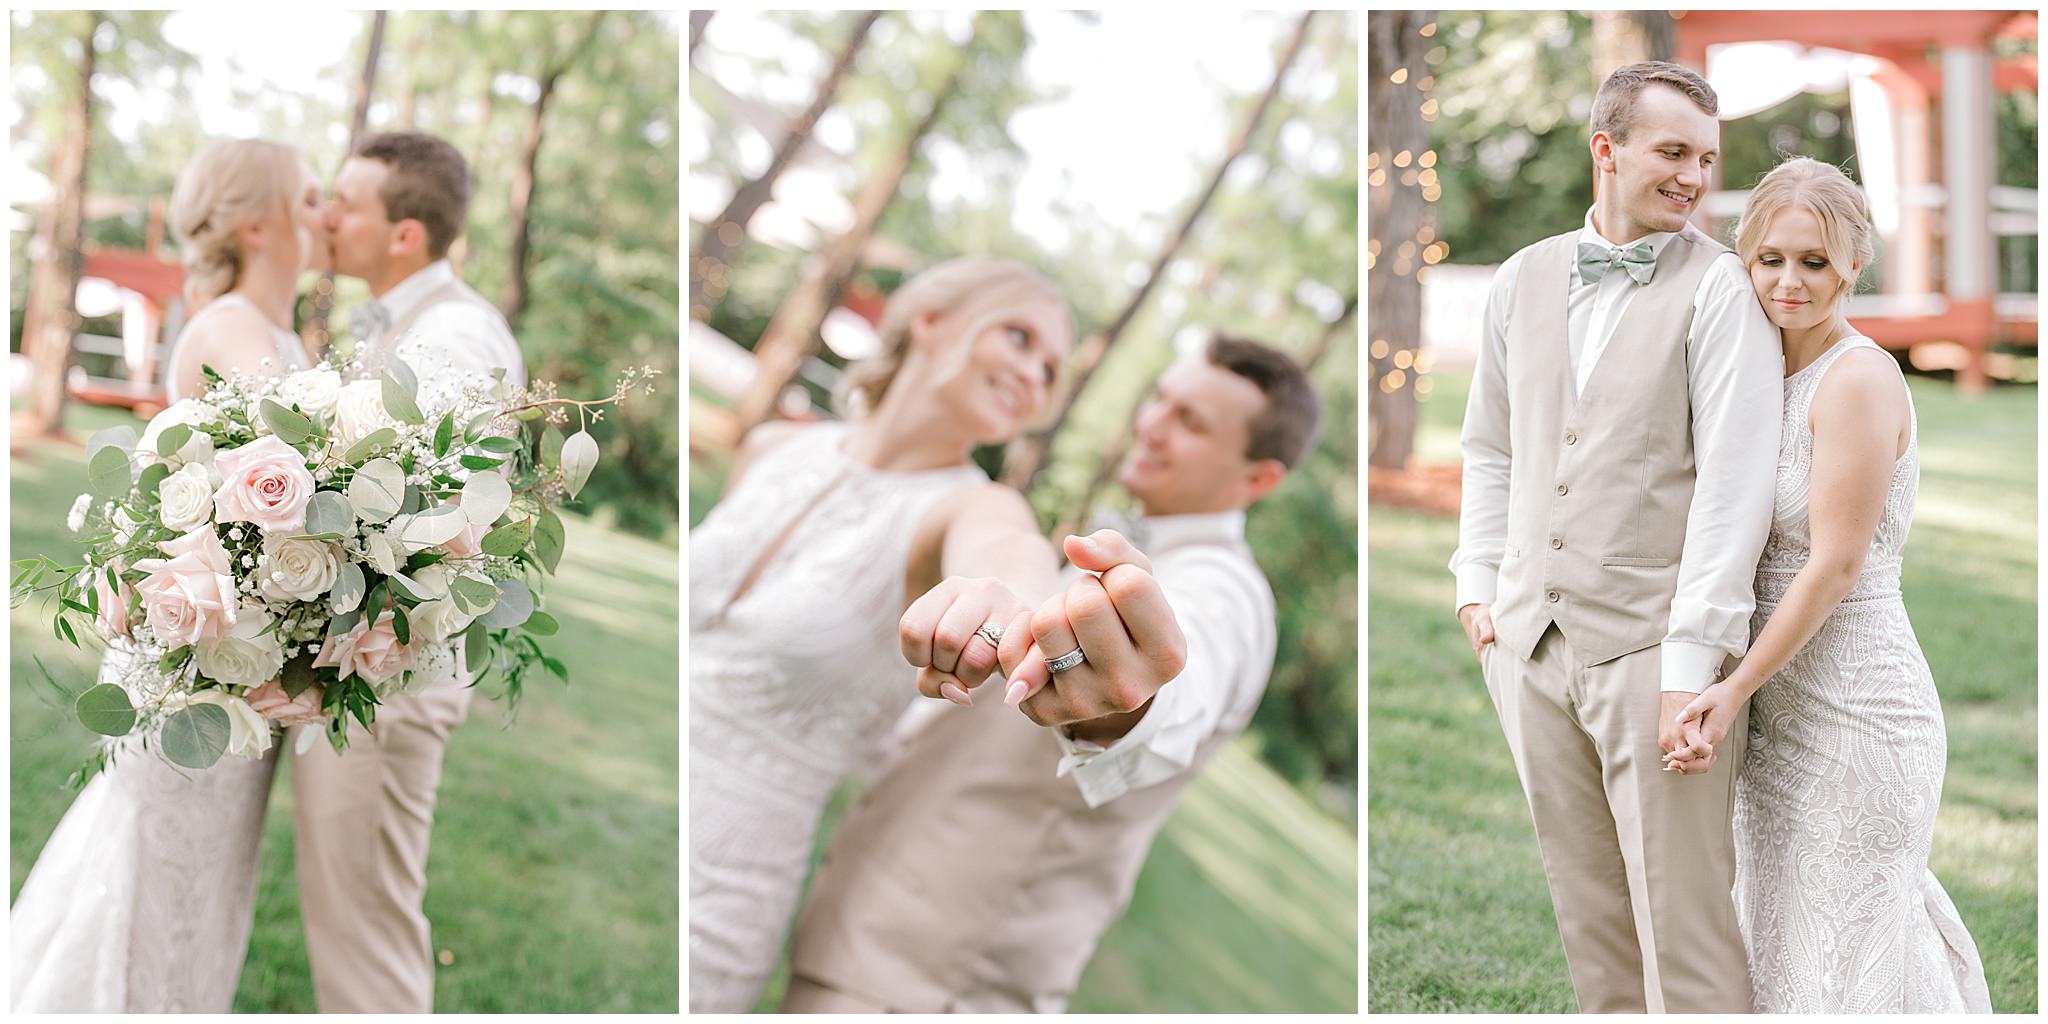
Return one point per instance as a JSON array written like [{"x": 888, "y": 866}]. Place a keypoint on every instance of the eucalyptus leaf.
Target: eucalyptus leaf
[
  {"x": 508, "y": 540},
  {"x": 377, "y": 491},
  {"x": 548, "y": 541},
  {"x": 401, "y": 373},
  {"x": 384, "y": 553},
  {"x": 551, "y": 447},
  {"x": 349, "y": 586},
  {"x": 499, "y": 444},
  {"x": 579, "y": 457},
  {"x": 475, "y": 644},
  {"x": 290, "y": 427},
  {"x": 401, "y": 624},
  {"x": 474, "y": 429},
  {"x": 173, "y": 438},
  {"x": 541, "y": 624},
  {"x": 470, "y": 593},
  {"x": 400, "y": 403},
  {"x": 409, "y": 588},
  {"x": 298, "y": 675},
  {"x": 485, "y": 497},
  {"x": 344, "y": 622},
  {"x": 444, "y": 435},
  {"x": 329, "y": 512},
  {"x": 437, "y": 525},
  {"x": 122, "y": 437},
  {"x": 108, "y": 474},
  {"x": 152, "y": 477},
  {"x": 371, "y": 442},
  {"x": 196, "y": 736},
  {"x": 515, "y": 603},
  {"x": 105, "y": 710},
  {"x": 479, "y": 462}
]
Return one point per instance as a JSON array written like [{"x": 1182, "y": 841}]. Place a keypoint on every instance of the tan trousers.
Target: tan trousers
[
  {"x": 807, "y": 996},
  {"x": 1641, "y": 862},
  {"x": 363, "y": 819}
]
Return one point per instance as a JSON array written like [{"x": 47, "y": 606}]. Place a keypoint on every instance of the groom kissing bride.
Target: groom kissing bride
[
  {"x": 1687, "y": 487},
  {"x": 143, "y": 898}
]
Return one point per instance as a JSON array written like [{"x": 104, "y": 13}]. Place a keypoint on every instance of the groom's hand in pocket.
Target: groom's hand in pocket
[
  {"x": 1477, "y": 618},
  {"x": 938, "y": 635},
  {"x": 1120, "y": 619}
]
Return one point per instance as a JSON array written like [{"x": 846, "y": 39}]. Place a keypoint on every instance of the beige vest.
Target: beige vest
[
  {"x": 1601, "y": 484},
  {"x": 969, "y": 879}
]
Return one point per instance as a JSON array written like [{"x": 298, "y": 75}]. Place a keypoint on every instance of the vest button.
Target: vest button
[
  {"x": 1551, "y": 597},
  {"x": 1562, "y": 490},
  {"x": 1571, "y": 439},
  {"x": 1556, "y": 544}
]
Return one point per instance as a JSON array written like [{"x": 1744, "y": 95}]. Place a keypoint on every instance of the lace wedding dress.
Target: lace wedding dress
[
  {"x": 796, "y": 585},
  {"x": 1835, "y": 803},
  {"x": 143, "y": 898}
]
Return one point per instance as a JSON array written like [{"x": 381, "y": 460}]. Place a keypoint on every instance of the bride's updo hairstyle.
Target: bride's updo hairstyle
[
  {"x": 987, "y": 286},
  {"x": 1830, "y": 196},
  {"x": 231, "y": 183}
]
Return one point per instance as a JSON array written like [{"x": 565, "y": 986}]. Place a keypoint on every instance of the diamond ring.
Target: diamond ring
[
  {"x": 992, "y": 632},
  {"x": 1066, "y": 661}
]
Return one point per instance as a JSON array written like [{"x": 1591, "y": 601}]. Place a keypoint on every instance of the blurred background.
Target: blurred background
[
  {"x": 1478, "y": 129},
  {"x": 1176, "y": 175},
  {"x": 552, "y": 884}
]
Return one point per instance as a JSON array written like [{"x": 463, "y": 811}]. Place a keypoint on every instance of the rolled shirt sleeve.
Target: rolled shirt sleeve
[
  {"x": 1226, "y": 612},
  {"x": 1735, "y": 366},
  {"x": 1483, "y": 506}
]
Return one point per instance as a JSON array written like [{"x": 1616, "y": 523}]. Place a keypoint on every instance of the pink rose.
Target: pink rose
[
  {"x": 264, "y": 482},
  {"x": 469, "y": 543},
  {"x": 270, "y": 701},
  {"x": 190, "y": 596},
  {"x": 113, "y": 616},
  {"x": 371, "y": 651}
]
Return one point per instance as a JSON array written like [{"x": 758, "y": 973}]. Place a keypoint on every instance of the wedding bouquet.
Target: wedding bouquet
[{"x": 290, "y": 551}]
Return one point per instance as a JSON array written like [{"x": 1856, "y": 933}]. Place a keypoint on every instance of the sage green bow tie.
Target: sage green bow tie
[{"x": 1638, "y": 260}]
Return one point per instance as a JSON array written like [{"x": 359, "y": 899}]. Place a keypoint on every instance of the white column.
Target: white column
[{"x": 1968, "y": 153}]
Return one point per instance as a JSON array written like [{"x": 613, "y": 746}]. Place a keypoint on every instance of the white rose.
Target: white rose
[
  {"x": 296, "y": 570},
  {"x": 185, "y": 499},
  {"x": 246, "y": 656},
  {"x": 190, "y": 411},
  {"x": 313, "y": 391},
  {"x": 196, "y": 451},
  {"x": 74, "y": 520},
  {"x": 248, "y": 733},
  {"x": 434, "y": 580},
  {"x": 359, "y": 411},
  {"x": 438, "y": 620}
]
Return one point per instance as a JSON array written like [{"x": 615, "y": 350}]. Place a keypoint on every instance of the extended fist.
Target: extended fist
[{"x": 1117, "y": 617}]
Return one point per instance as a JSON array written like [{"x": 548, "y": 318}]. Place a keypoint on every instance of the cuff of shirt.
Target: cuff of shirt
[
  {"x": 1477, "y": 584},
  {"x": 1132, "y": 762},
  {"x": 1690, "y": 667}
]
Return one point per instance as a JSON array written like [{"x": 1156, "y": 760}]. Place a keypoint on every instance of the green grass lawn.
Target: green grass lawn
[
  {"x": 552, "y": 884},
  {"x": 1458, "y": 916}
]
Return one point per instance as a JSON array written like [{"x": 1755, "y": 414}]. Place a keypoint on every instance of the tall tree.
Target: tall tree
[
  {"x": 1627, "y": 37},
  {"x": 523, "y": 180},
  {"x": 1026, "y": 455},
  {"x": 317, "y": 331},
  {"x": 725, "y": 234},
  {"x": 792, "y": 334},
  {"x": 52, "y": 318},
  {"x": 1400, "y": 168},
  {"x": 698, "y": 19}
]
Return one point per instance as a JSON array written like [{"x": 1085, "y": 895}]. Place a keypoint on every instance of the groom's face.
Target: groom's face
[
  {"x": 361, "y": 232},
  {"x": 1190, "y": 442},
  {"x": 1661, "y": 172}
]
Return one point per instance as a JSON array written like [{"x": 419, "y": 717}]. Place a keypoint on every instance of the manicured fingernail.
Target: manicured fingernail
[
  {"x": 1015, "y": 694},
  {"x": 957, "y": 695}
]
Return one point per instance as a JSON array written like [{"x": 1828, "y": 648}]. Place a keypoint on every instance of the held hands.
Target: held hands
[{"x": 1708, "y": 715}]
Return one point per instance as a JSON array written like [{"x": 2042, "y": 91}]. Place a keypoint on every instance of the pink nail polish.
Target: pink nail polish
[
  {"x": 1016, "y": 693},
  {"x": 957, "y": 695}
]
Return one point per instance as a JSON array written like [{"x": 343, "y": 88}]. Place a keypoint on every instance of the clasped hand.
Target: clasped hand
[
  {"x": 1691, "y": 726},
  {"x": 1115, "y": 613}
]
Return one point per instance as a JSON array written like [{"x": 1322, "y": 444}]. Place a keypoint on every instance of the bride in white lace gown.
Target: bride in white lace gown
[
  {"x": 142, "y": 899},
  {"x": 799, "y": 575},
  {"x": 1835, "y": 804}
]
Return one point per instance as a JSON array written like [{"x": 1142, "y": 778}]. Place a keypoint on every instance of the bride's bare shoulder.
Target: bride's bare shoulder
[{"x": 227, "y": 323}]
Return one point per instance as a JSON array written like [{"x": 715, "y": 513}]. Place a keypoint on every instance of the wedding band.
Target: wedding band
[
  {"x": 1065, "y": 661},
  {"x": 992, "y": 632}
]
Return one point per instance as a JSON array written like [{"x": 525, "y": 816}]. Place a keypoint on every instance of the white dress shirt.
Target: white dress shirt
[
  {"x": 1730, "y": 380},
  {"x": 462, "y": 335},
  {"x": 1225, "y": 608}
]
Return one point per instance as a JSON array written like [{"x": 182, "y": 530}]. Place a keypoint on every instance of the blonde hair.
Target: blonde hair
[
  {"x": 230, "y": 183},
  {"x": 995, "y": 283},
  {"x": 1835, "y": 202}
]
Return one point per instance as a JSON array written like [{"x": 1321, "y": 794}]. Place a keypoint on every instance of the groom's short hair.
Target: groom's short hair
[
  {"x": 428, "y": 182},
  {"x": 1614, "y": 106},
  {"x": 1286, "y": 428}
]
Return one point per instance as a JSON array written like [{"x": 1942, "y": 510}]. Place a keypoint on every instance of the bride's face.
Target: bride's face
[
  {"x": 1797, "y": 285},
  {"x": 309, "y": 222},
  {"x": 999, "y": 380}
]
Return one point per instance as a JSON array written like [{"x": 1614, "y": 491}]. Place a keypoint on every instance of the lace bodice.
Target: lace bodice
[{"x": 1791, "y": 541}]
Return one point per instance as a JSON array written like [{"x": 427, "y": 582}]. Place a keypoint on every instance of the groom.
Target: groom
[
  {"x": 363, "y": 819},
  {"x": 979, "y": 870},
  {"x": 1621, "y": 443}
]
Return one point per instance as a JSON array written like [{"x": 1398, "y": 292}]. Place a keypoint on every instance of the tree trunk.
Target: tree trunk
[
  {"x": 722, "y": 238},
  {"x": 51, "y": 320},
  {"x": 316, "y": 332},
  {"x": 523, "y": 179},
  {"x": 1113, "y": 456},
  {"x": 792, "y": 334},
  {"x": 1026, "y": 455},
  {"x": 698, "y": 19},
  {"x": 1629, "y": 37},
  {"x": 1403, "y": 227}
]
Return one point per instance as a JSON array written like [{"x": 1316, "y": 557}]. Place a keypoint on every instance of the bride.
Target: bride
[
  {"x": 1835, "y": 803},
  {"x": 799, "y": 575},
  {"x": 143, "y": 898}
]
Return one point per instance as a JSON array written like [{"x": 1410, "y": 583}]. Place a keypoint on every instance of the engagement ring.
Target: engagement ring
[
  {"x": 1066, "y": 661},
  {"x": 991, "y": 632}
]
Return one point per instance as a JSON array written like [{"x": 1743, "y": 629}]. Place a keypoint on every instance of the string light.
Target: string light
[{"x": 1400, "y": 75}]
